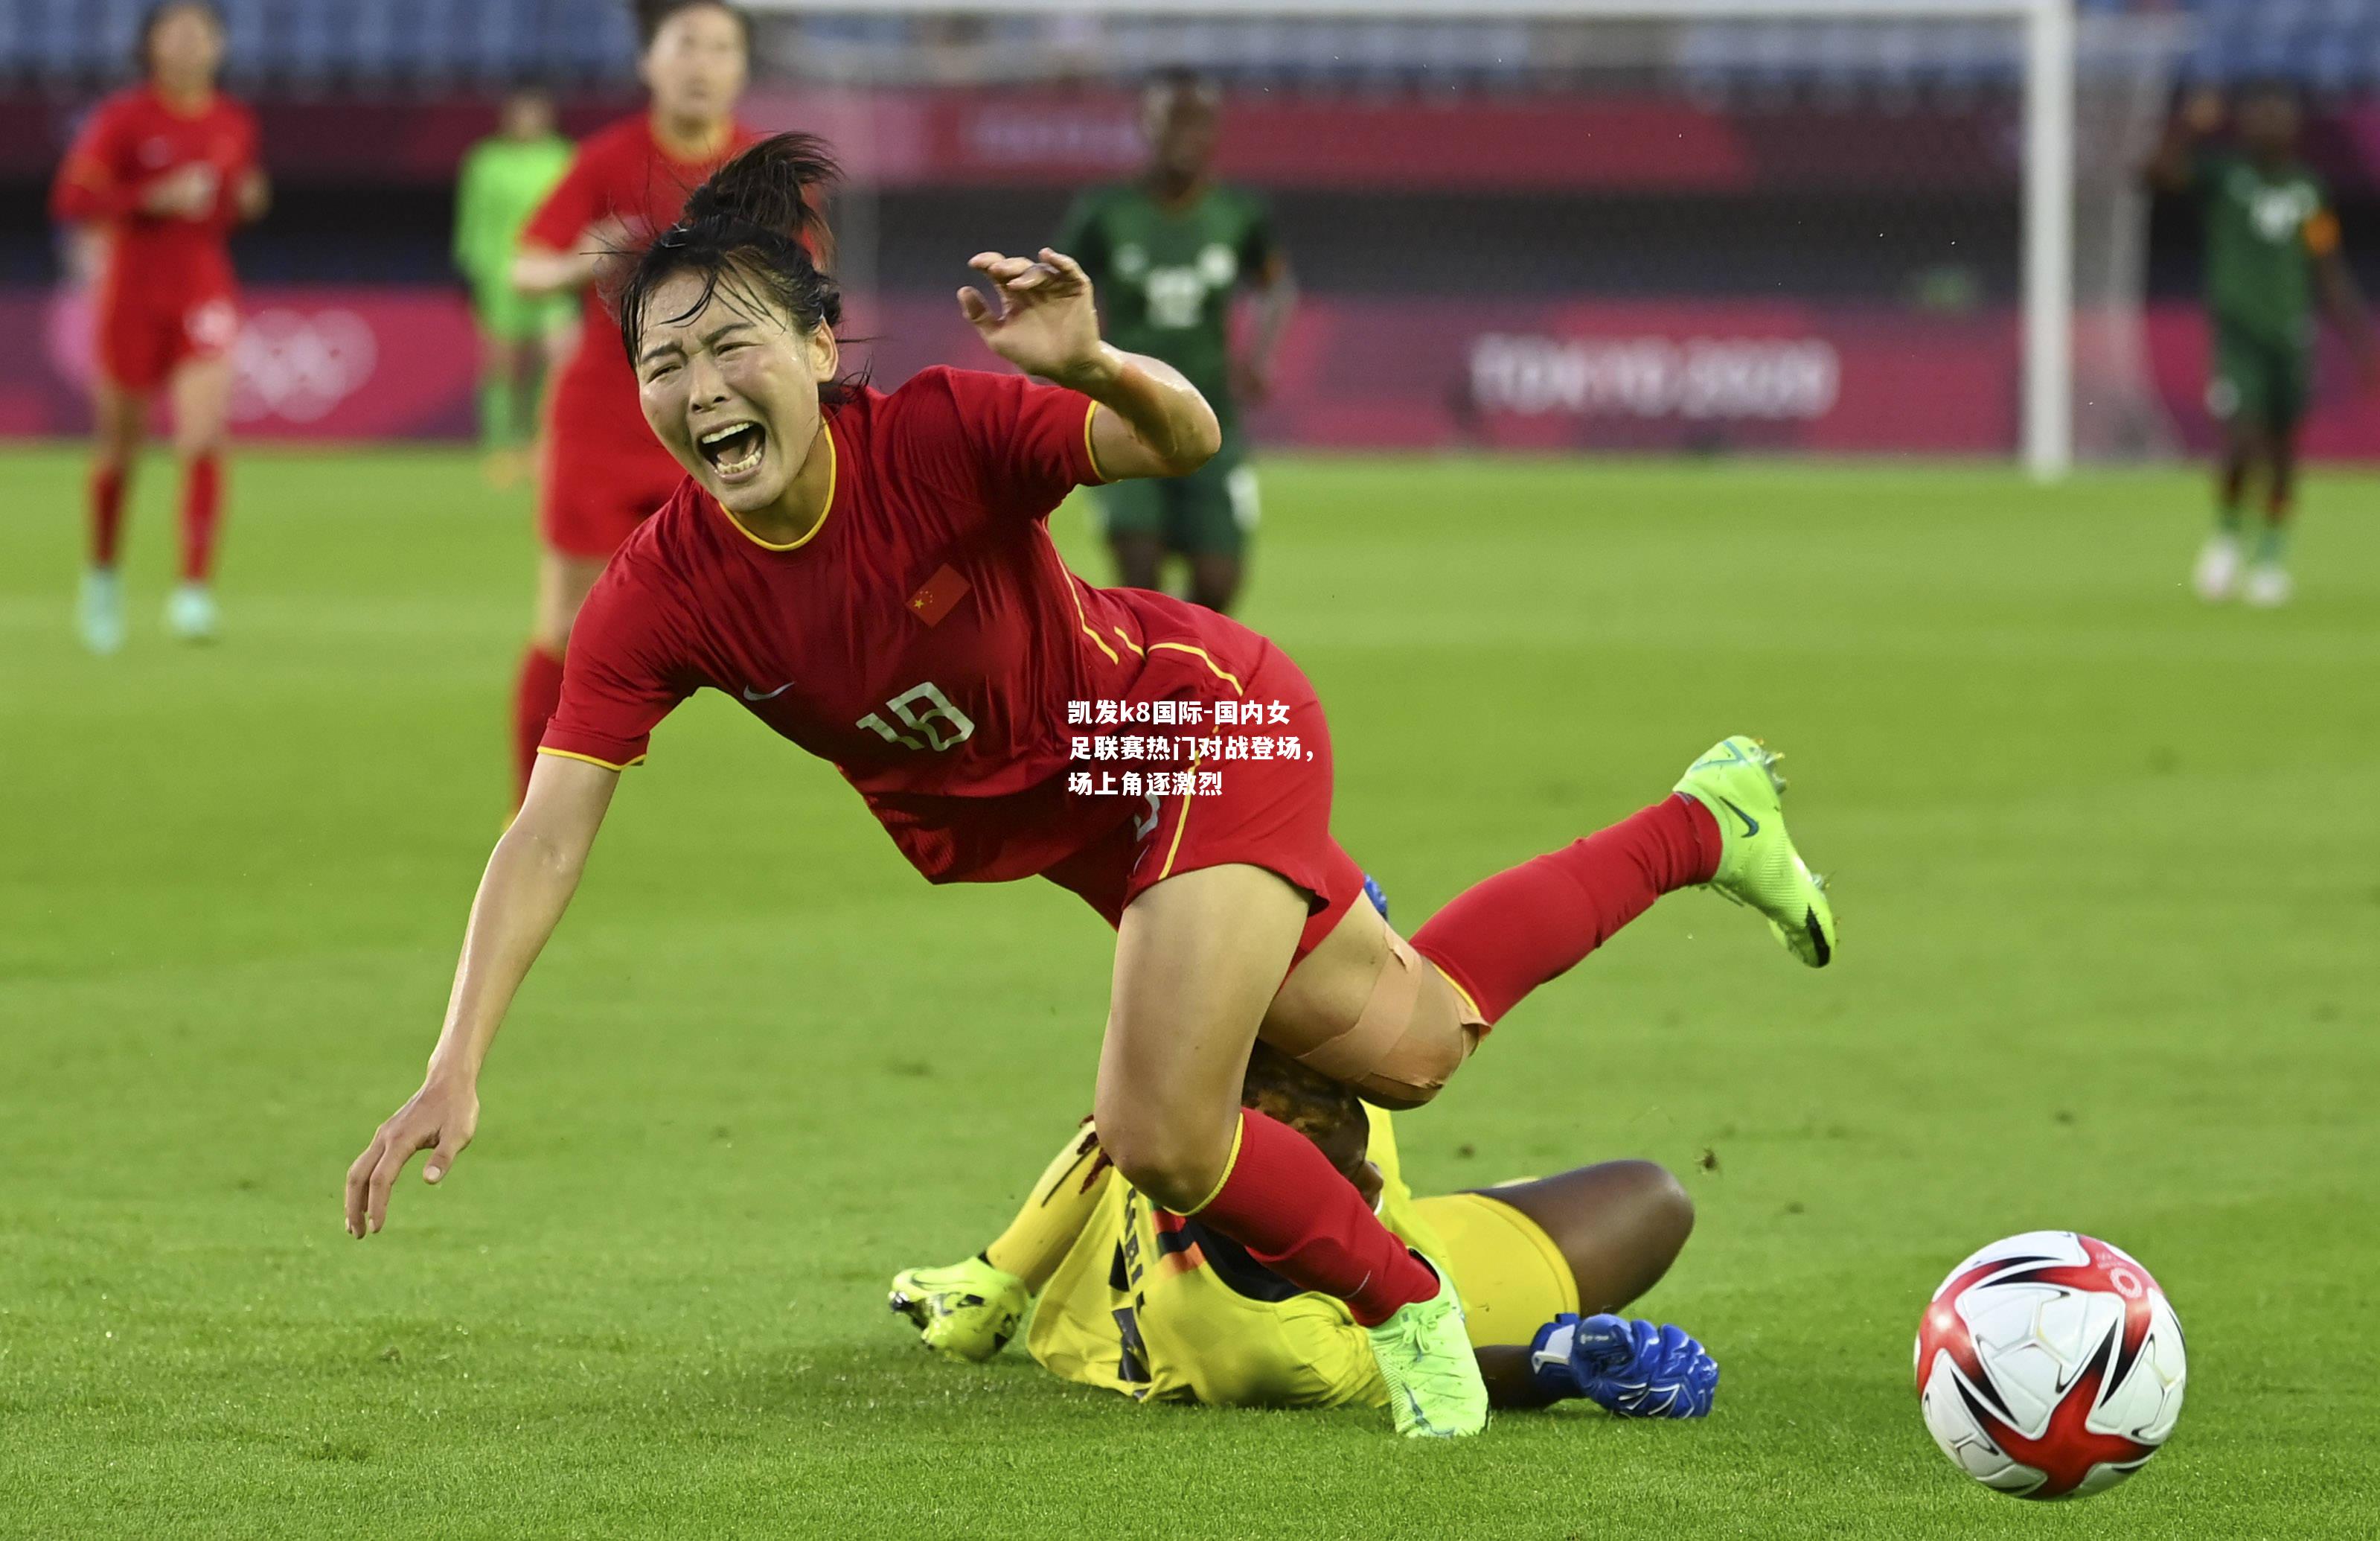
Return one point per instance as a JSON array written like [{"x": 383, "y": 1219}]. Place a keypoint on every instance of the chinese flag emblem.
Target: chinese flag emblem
[{"x": 933, "y": 601}]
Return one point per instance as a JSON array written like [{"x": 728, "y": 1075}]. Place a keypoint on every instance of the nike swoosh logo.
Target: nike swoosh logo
[
  {"x": 751, "y": 694},
  {"x": 1751, "y": 825}
]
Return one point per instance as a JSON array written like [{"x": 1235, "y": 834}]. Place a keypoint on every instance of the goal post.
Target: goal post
[{"x": 2044, "y": 37}]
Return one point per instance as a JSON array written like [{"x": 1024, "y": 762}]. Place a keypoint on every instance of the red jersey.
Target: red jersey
[
  {"x": 926, "y": 637},
  {"x": 620, "y": 173},
  {"x": 132, "y": 141}
]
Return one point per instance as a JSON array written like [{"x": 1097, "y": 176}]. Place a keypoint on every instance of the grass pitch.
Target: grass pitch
[{"x": 2108, "y": 906}]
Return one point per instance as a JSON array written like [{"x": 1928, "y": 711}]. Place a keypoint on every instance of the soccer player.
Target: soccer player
[
  {"x": 1156, "y": 1305},
  {"x": 872, "y": 576},
  {"x": 1166, "y": 254},
  {"x": 505, "y": 179},
  {"x": 603, "y": 472},
  {"x": 156, "y": 181},
  {"x": 2271, "y": 252}
]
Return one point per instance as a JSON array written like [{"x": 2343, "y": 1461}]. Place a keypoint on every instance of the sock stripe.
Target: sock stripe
[{"x": 1239, "y": 1132}]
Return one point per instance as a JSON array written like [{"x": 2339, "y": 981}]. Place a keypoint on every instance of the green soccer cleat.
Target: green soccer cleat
[
  {"x": 1426, "y": 1360},
  {"x": 1757, "y": 864},
  {"x": 967, "y": 1311}
]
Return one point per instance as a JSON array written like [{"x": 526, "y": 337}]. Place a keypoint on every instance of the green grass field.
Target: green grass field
[{"x": 2110, "y": 911}]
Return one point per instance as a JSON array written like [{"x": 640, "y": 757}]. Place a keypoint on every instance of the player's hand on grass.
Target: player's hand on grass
[
  {"x": 1040, "y": 317},
  {"x": 1632, "y": 1369},
  {"x": 439, "y": 1119}
]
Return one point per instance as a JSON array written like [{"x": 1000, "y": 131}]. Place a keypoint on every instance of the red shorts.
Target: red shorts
[
  {"x": 1272, "y": 814},
  {"x": 141, "y": 342},
  {"x": 589, "y": 503}
]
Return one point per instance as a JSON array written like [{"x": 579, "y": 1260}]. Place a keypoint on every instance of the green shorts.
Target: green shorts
[
  {"x": 2257, "y": 381},
  {"x": 503, "y": 312},
  {"x": 1208, "y": 512}
]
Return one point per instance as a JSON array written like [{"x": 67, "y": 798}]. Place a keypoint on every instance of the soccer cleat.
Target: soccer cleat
[
  {"x": 1631, "y": 1369},
  {"x": 1758, "y": 867},
  {"x": 2268, "y": 586},
  {"x": 98, "y": 613},
  {"x": 2217, "y": 576},
  {"x": 1435, "y": 1391},
  {"x": 968, "y": 1311},
  {"x": 190, "y": 613}
]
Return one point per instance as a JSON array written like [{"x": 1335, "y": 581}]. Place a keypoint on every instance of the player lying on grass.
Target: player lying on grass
[
  {"x": 872, "y": 576},
  {"x": 1160, "y": 1307}
]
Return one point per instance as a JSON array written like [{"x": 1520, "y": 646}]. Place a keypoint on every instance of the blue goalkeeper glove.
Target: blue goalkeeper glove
[{"x": 1631, "y": 1369}]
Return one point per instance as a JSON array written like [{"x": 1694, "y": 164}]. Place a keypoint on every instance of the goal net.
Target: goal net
[{"x": 1899, "y": 226}]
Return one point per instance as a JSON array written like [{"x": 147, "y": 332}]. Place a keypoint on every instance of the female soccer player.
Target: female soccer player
[
  {"x": 505, "y": 178},
  {"x": 872, "y": 575},
  {"x": 603, "y": 474},
  {"x": 158, "y": 179},
  {"x": 1162, "y": 1308}
]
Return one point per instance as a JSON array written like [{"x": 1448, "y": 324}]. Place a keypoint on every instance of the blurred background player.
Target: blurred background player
[
  {"x": 2272, "y": 252},
  {"x": 1159, "y": 1307},
  {"x": 1166, "y": 254},
  {"x": 155, "y": 182},
  {"x": 603, "y": 471},
  {"x": 504, "y": 179}
]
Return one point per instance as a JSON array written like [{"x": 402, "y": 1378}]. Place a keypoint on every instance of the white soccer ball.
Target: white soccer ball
[{"x": 2050, "y": 1366}]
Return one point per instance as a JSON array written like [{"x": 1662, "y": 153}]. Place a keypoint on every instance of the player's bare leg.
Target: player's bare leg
[
  {"x": 2223, "y": 559},
  {"x": 119, "y": 420},
  {"x": 201, "y": 394},
  {"x": 507, "y": 388},
  {"x": 1139, "y": 558},
  {"x": 1365, "y": 1008},
  {"x": 2268, "y": 576},
  {"x": 1199, "y": 957},
  {"x": 1215, "y": 579},
  {"x": 563, "y": 581}
]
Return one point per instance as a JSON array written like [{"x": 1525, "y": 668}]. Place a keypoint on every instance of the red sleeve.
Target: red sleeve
[
  {"x": 622, "y": 673},
  {"x": 1023, "y": 444},
  {"x": 575, "y": 202},
  {"x": 90, "y": 185}
]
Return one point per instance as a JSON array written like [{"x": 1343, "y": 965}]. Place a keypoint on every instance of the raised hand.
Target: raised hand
[{"x": 1040, "y": 317}]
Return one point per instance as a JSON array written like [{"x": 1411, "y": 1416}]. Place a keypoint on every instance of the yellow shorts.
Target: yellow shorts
[{"x": 1511, "y": 1277}]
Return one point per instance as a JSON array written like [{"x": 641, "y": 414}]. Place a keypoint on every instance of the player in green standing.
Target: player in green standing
[
  {"x": 1166, "y": 254},
  {"x": 2272, "y": 256},
  {"x": 504, "y": 179}
]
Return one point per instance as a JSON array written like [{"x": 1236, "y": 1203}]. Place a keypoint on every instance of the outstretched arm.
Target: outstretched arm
[
  {"x": 522, "y": 895},
  {"x": 1044, "y": 322}
]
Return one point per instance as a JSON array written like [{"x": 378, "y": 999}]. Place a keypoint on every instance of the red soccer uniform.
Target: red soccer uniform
[
  {"x": 604, "y": 471},
  {"x": 166, "y": 294},
  {"x": 927, "y": 640}
]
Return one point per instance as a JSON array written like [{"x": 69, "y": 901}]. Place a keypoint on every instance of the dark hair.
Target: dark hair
[
  {"x": 154, "y": 17},
  {"x": 1326, "y": 1111},
  {"x": 758, "y": 218},
  {"x": 652, "y": 15},
  {"x": 1182, "y": 77}
]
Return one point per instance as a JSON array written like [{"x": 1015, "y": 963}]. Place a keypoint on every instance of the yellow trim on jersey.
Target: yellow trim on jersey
[
  {"x": 1239, "y": 1130},
  {"x": 1181, "y": 822},
  {"x": 1085, "y": 622},
  {"x": 572, "y": 754},
  {"x": 1090, "y": 448},
  {"x": 1128, "y": 641},
  {"x": 1221, "y": 672},
  {"x": 833, "y": 474}
]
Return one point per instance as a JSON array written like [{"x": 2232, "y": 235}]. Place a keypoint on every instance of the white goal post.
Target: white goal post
[{"x": 2048, "y": 174}]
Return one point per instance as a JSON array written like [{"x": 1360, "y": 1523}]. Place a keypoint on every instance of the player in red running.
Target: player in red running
[
  {"x": 603, "y": 474},
  {"x": 872, "y": 576},
  {"x": 158, "y": 179}
]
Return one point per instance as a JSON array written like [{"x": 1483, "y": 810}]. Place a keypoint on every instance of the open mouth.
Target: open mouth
[{"x": 734, "y": 450}]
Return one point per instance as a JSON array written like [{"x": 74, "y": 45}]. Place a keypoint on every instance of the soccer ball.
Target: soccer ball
[{"x": 2050, "y": 1366}]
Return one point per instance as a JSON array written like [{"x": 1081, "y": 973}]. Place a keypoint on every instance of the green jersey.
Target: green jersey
[
  {"x": 2263, "y": 232},
  {"x": 502, "y": 182},
  {"x": 1165, "y": 276}
]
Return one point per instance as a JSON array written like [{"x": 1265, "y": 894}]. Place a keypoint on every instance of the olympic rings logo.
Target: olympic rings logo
[{"x": 299, "y": 365}]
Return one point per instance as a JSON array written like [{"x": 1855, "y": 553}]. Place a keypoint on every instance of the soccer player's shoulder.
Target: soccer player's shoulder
[{"x": 615, "y": 143}]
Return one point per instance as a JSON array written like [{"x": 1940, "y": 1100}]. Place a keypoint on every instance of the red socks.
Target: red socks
[
  {"x": 1501, "y": 938},
  {"x": 535, "y": 696},
  {"x": 202, "y": 511},
  {"x": 107, "y": 514},
  {"x": 1285, "y": 1203}
]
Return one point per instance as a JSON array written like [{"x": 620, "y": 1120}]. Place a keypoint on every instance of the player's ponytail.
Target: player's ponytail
[{"x": 760, "y": 217}]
